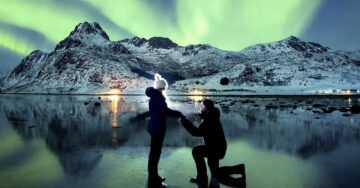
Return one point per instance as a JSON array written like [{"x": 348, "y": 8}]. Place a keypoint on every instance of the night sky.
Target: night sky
[{"x": 227, "y": 24}]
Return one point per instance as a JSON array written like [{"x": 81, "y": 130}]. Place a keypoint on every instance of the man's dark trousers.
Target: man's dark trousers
[{"x": 199, "y": 153}]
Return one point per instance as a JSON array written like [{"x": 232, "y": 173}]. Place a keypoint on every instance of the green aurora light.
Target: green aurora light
[{"x": 226, "y": 24}]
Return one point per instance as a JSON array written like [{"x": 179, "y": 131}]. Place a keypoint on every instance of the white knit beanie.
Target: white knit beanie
[{"x": 160, "y": 82}]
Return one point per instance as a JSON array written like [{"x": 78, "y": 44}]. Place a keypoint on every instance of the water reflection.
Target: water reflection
[
  {"x": 114, "y": 99},
  {"x": 83, "y": 139},
  {"x": 196, "y": 99},
  {"x": 349, "y": 101}
]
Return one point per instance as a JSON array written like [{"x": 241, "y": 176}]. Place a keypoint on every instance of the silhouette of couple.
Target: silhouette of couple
[{"x": 214, "y": 147}]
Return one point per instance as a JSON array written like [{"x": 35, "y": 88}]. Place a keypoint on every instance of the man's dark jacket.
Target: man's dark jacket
[
  {"x": 212, "y": 132},
  {"x": 158, "y": 111}
]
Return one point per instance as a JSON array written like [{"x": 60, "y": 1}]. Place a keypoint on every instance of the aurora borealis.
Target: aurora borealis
[{"x": 227, "y": 24}]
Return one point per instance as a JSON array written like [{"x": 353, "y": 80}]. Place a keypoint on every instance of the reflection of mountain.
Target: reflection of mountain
[
  {"x": 79, "y": 133},
  {"x": 75, "y": 133},
  {"x": 298, "y": 132},
  {"x": 67, "y": 124},
  {"x": 88, "y": 62}
]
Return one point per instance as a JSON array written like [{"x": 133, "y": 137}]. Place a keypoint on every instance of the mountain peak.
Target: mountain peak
[
  {"x": 300, "y": 45},
  {"x": 154, "y": 42},
  {"x": 83, "y": 34},
  {"x": 292, "y": 38},
  {"x": 89, "y": 29}
]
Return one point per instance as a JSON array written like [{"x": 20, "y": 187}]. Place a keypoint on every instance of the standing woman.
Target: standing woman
[{"x": 157, "y": 127}]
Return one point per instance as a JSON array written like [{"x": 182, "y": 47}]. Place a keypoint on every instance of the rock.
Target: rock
[
  {"x": 97, "y": 104},
  {"x": 284, "y": 106},
  {"x": 224, "y": 81},
  {"x": 317, "y": 105},
  {"x": 270, "y": 106},
  {"x": 86, "y": 103},
  {"x": 355, "y": 109},
  {"x": 343, "y": 109},
  {"x": 247, "y": 101},
  {"x": 331, "y": 109},
  {"x": 325, "y": 110},
  {"x": 99, "y": 97}
]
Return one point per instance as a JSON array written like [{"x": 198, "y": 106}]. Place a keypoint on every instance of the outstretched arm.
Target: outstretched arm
[
  {"x": 195, "y": 131},
  {"x": 169, "y": 112}
]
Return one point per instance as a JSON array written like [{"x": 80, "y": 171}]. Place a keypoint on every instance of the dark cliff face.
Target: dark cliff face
[
  {"x": 302, "y": 46},
  {"x": 117, "y": 47},
  {"x": 26, "y": 63},
  {"x": 136, "y": 41},
  {"x": 159, "y": 42},
  {"x": 154, "y": 42},
  {"x": 68, "y": 43}
]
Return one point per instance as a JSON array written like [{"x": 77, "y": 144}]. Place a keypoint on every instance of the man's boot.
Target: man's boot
[{"x": 201, "y": 180}]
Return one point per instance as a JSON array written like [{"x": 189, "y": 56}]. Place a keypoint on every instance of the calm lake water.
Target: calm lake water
[{"x": 58, "y": 141}]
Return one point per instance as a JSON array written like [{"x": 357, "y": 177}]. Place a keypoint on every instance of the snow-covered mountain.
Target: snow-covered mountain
[
  {"x": 286, "y": 66},
  {"x": 88, "y": 62},
  {"x": 84, "y": 62}
]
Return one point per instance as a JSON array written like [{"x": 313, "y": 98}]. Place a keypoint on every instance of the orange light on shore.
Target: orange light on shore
[
  {"x": 197, "y": 92},
  {"x": 195, "y": 95},
  {"x": 115, "y": 91},
  {"x": 345, "y": 92}
]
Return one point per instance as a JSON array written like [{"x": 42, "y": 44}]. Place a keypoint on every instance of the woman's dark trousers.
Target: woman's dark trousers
[{"x": 154, "y": 156}]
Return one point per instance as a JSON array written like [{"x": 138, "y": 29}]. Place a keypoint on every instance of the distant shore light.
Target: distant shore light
[
  {"x": 115, "y": 91},
  {"x": 195, "y": 95}
]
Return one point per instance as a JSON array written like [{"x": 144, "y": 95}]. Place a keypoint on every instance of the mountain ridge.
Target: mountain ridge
[{"x": 88, "y": 62}]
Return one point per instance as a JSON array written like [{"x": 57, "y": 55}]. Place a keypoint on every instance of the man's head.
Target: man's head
[
  {"x": 160, "y": 83},
  {"x": 206, "y": 104}
]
